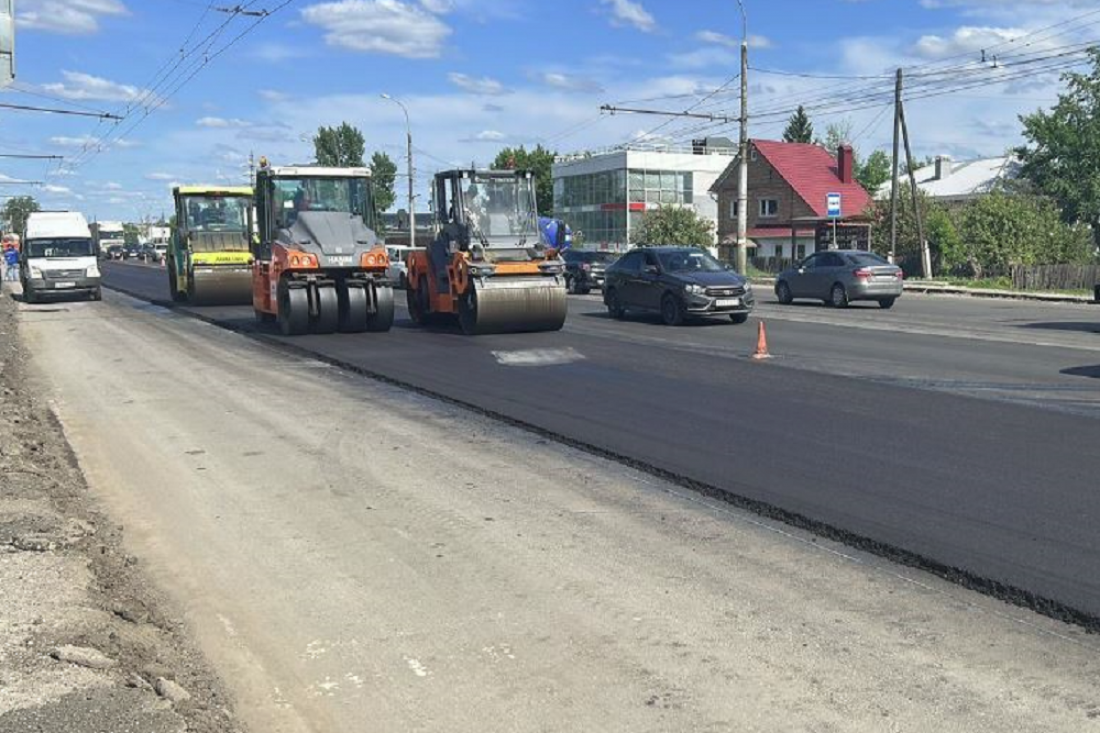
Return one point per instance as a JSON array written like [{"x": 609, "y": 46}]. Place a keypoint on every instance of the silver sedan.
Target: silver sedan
[{"x": 839, "y": 277}]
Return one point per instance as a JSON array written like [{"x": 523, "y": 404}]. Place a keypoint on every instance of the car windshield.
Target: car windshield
[
  {"x": 689, "y": 260},
  {"x": 867, "y": 259},
  {"x": 501, "y": 206},
  {"x": 217, "y": 213},
  {"x": 68, "y": 247},
  {"x": 351, "y": 195}
]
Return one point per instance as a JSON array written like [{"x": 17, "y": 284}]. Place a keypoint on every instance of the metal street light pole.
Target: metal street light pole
[
  {"x": 412, "y": 185},
  {"x": 743, "y": 151}
]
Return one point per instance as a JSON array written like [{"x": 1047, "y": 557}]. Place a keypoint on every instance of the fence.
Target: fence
[
  {"x": 1055, "y": 277},
  {"x": 770, "y": 265}
]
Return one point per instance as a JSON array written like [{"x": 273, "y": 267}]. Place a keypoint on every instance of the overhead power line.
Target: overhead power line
[
  {"x": 57, "y": 111},
  {"x": 22, "y": 156}
]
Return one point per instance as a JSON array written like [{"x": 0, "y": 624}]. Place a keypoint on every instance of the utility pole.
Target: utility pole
[
  {"x": 743, "y": 151},
  {"x": 925, "y": 254},
  {"x": 894, "y": 176},
  {"x": 412, "y": 172},
  {"x": 251, "y": 169}
]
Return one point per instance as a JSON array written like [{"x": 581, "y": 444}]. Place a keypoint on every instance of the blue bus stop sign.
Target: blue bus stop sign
[{"x": 832, "y": 203}]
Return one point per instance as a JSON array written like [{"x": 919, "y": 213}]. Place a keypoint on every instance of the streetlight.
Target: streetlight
[{"x": 412, "y": 185}]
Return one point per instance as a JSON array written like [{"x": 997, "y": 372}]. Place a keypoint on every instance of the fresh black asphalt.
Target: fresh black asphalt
[{"x": 996, "y": 494}]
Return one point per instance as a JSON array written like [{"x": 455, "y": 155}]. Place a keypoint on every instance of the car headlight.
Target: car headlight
[
  {"x": 93, "y": 271},
  {"x": 695, "y": 289},
  {"x": 36, "y": 274}
]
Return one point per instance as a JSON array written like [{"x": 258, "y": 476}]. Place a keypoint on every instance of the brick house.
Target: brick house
[{"x": 788, "y": 186}]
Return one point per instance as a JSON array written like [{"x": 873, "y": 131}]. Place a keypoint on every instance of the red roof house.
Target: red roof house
[{"x": 788, "y": 188}]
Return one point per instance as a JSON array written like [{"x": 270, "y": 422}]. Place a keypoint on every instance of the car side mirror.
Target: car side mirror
[{"x": 651, "y": 270}]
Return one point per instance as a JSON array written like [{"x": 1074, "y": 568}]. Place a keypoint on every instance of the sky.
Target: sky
[{"x": 200, "y": 87}]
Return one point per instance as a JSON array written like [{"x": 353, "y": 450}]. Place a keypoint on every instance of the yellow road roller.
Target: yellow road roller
[{"x": 209, "y": 258}]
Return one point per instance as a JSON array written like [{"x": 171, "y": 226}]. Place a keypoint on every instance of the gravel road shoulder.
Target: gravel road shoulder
[{"x": 85, "y": 643}]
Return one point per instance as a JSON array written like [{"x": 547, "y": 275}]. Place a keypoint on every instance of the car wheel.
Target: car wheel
[
  {"x": 783, "y": 293},
  {"x": 886, "y": 303},
  {"x": 672, "y": 313},
  {"x": 838, "y": 296},
  {"x": 739, "y": 318},
  {"x": 614, "y": 307},
  {"x": 584, "y": 289},
  {"x": 571, "y": 285},
  {"x": 97, "y": 294}
]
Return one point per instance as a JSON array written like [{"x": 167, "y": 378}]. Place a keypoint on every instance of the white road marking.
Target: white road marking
[
  {"x": 538, "y": 357},
  {"x": 418, "y": 669}
]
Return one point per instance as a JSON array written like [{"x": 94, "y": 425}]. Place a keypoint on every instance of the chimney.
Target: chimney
[
  {"x": 844, "y": 163},
  {"x": 943, "y": 167}
]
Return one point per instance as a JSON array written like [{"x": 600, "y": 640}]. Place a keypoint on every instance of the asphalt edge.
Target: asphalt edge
[{"x": 1004, "y": 592}]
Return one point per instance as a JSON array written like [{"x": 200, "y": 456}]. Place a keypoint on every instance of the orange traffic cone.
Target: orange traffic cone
[{"x": 761, "y": 342}]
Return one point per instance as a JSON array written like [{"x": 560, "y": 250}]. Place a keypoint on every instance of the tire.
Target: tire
[
  {"x": 739, "y": 318},
  {"x": 177, "y": 296},
  {"x": 96, "y": 294},
  {"x": 783, "y": 293},
  {"x": 382, "y": 320},
  {"x": 614, "y": 307},
  {"x": 838, "y": 296},
  {"x": 353, "y": 309},
  {"x": 583, "y": 289},
  {"x": 403, "y": 281},
  {"x": 886, "y": 303},
  {"x": 29, "y": 297},
  {"x": 262, "y": 317},
  {"x": 293, "y": 310},
  {"x": 672, "y": 312},
  {"x": 571, "y": 285},
  {"x": 467, "y": 312},
  {"x": 417, "y": 301},
  {"x": 327, "y": 319}
]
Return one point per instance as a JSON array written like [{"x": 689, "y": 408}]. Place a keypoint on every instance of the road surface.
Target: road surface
[
  {"x": 353, "y": 556},
  {"x": 959, "y": 435}
]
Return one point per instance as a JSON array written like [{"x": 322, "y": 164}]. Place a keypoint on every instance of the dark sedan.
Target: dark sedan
[
  {"x": 676, "y": 282},
  {"x": 839, "y": 277},
  {"x": 584, "y": 271}
]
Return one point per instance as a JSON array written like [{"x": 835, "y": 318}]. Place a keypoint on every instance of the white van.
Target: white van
[{"x": 59, "y": 257}]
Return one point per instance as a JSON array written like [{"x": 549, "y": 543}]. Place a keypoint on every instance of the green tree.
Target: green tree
[
  {"x": 15, "y": 212},
  {"x": 675, "y": 225},
  {"x": 836, "y": 134},
  {"x": 384, "y": 175},
  {"x": 540, "y": 161},
  {"x": 340, "y": 147},
  {"x": 131, "y": 234},
  {"x": 874, "y": 171},
  {"x": 799, "y": 128},
  {"x": 1062, "y": 157}
]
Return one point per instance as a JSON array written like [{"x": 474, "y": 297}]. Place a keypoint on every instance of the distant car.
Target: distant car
[
  {"x": 398, "y": 271},
  {"x": 839, "y": 277},
  {"x": 676, "y": 282},
  {"x": 148, "y": 253},
  {"x": 585, "y": 270},
  {"x": 114, "y": 252},
  {"x": 160, "y": 251},
  {"x": 131, "y": 251}
]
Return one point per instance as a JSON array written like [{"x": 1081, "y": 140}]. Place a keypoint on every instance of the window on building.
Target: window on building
[
  {"x": 769, "y": 208},
  {"x": 778, "y": 251},
  {"x": 801, "y": 253},
  {"x": 733, "y": 209}
]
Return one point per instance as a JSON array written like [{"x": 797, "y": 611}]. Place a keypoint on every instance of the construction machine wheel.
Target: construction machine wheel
[
  {"x": 327, "y": 319},
  {"x": 512, "y": 305},
  {"x": 382, "y": 319},
  {"x": 263, "y": 316},
  {"x": 177, "y": 295},
  {"x": 417, "y": 301},
  {"x": 293, "y": 310},
  {"x": 353, "y": 308}
]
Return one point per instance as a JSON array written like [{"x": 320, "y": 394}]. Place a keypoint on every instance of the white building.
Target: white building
[
  {"x": 604, "y": 195},
  {"x": 953, "y": 182}
]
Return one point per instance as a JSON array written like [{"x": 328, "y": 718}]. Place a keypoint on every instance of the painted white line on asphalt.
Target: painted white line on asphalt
[{"x": 538, "y": 357}]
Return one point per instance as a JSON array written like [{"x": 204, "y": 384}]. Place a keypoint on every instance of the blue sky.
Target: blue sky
[{"x": 480, "y": 74}]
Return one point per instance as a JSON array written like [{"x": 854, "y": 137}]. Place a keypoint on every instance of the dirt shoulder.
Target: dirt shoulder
[{"x": 86, "y": 643}]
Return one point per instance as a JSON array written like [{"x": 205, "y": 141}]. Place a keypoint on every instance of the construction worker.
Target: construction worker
[
  {"x": 302, "y": 202},
  {"x": 11, "y": 263}
]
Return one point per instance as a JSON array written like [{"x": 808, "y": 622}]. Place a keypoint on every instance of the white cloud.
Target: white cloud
[
  {"x": 720, "y": 39},
  {"x": 69, "y": 17},
  {"x": 270, "y": 95},
  {"x": 381, "y": 26},
  {"x": 51, "y": 188},
  {"x": 484, "y": 85},
  {"x": 628, "y": 12},
  {"x": 89, "y": 142},
  {"x": 81, "y": 86},
  {"x": 705, "y": 58},
  {"x": 567, "y": 82},
  {"x": 490, "y": 136},
  {"x": 965, "y": 40},
  {"x": 112, "y": 186},
  {"x": 221, "y": 123},
  {"x": 438, "y": 6},
  {"x": 157, "y": 176}
]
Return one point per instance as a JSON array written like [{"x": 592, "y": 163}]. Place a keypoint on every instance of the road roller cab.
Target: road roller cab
[
  {"x": 320, "y": 267},
  {"x": 487, "y": 264},
  {"x": 209, "y": 257}
]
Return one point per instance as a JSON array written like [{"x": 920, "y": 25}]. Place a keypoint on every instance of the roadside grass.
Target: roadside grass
[{"x": 998, "y": 283}]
